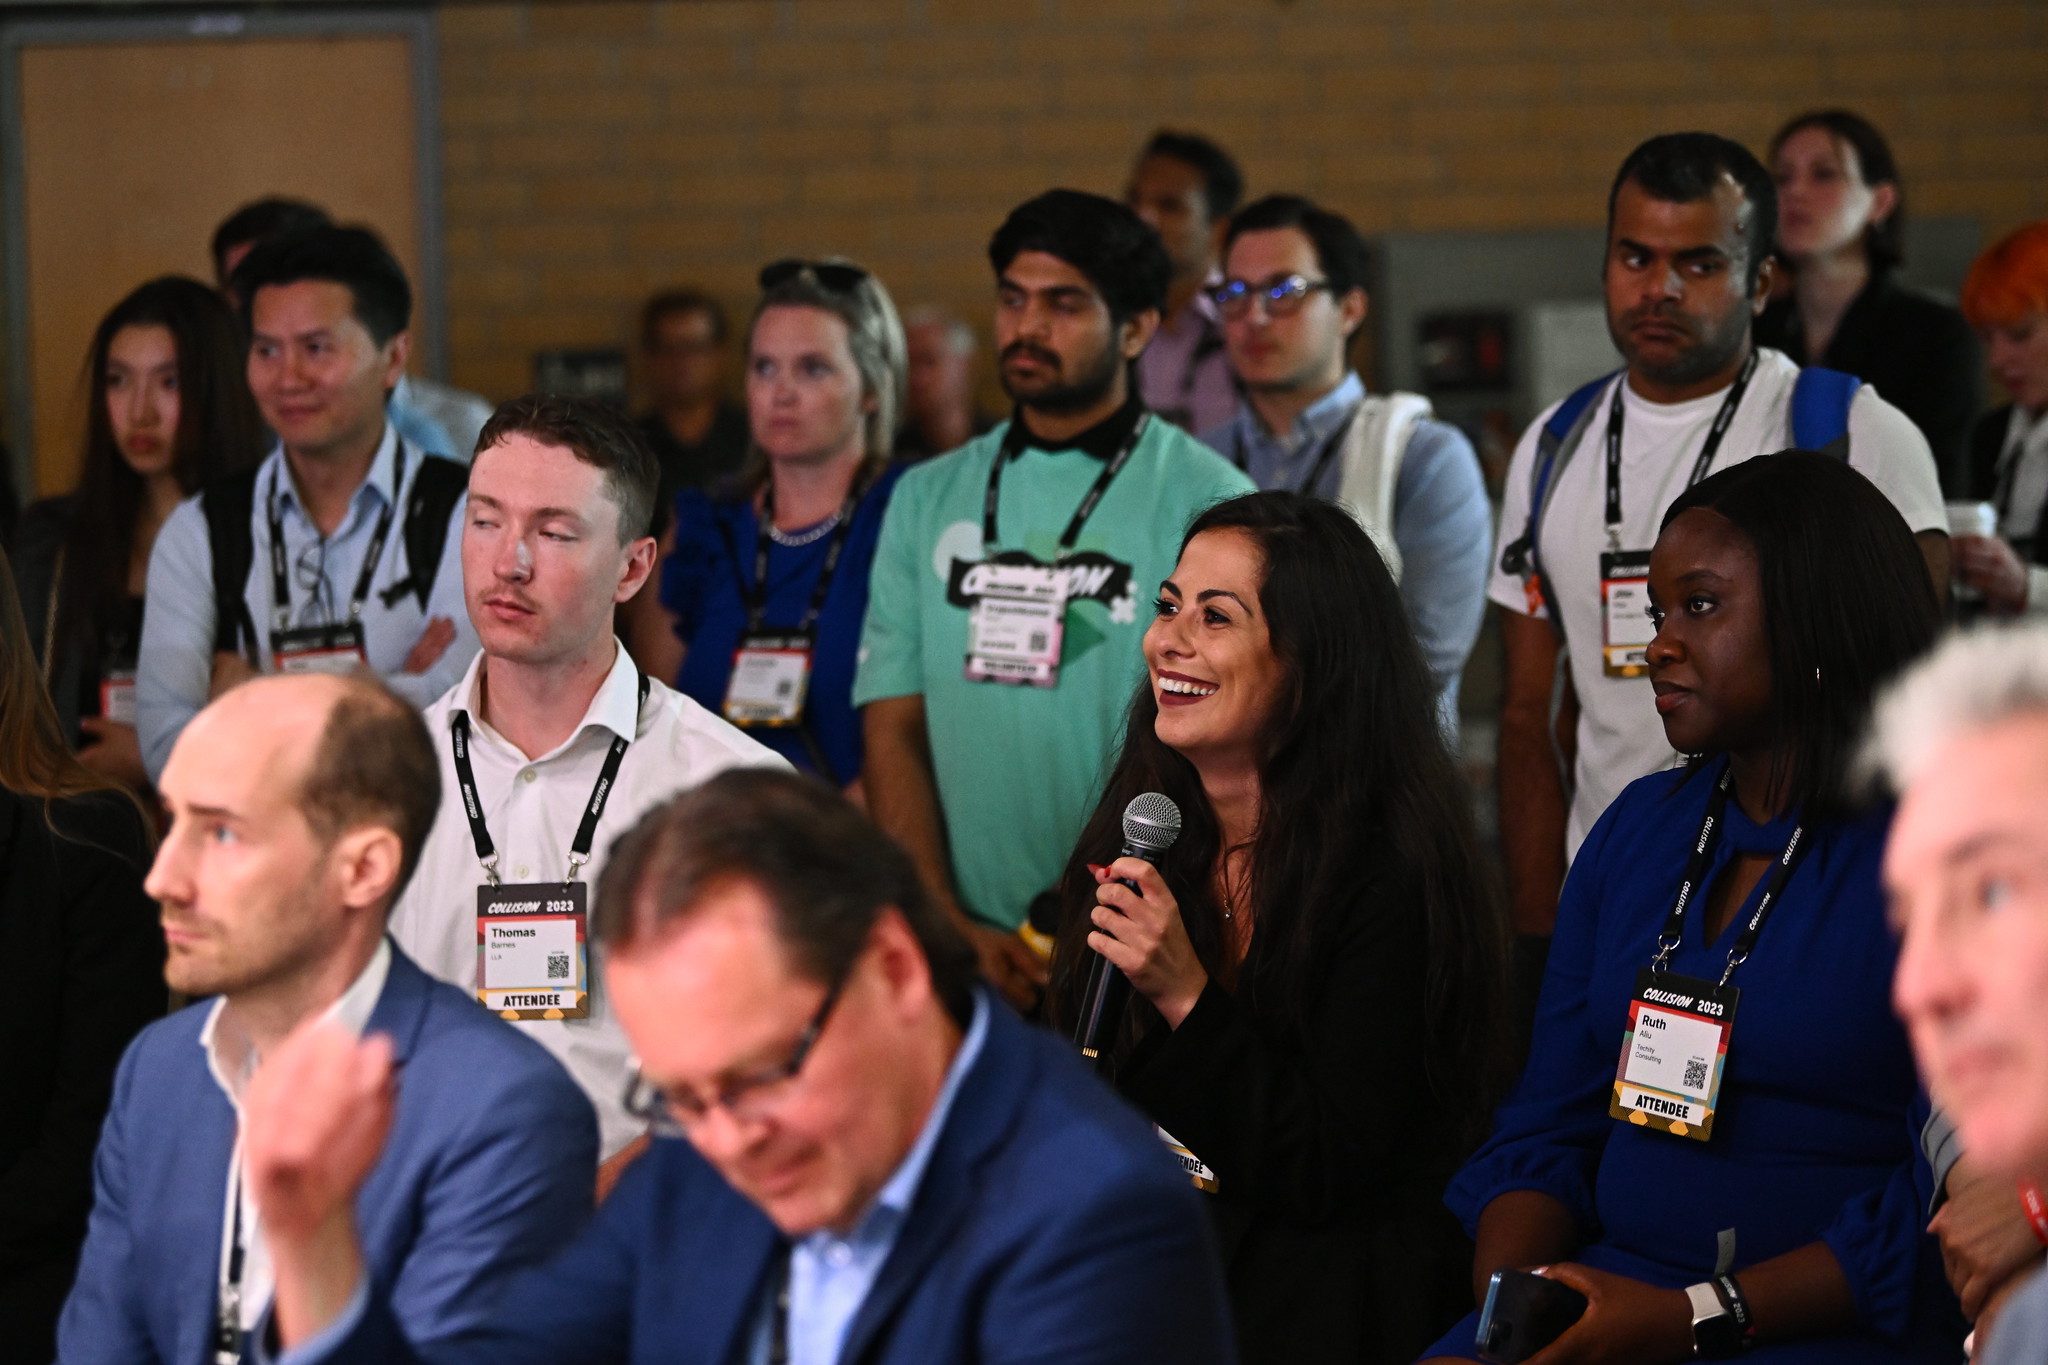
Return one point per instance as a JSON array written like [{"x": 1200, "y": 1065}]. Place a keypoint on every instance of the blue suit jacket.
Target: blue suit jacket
[
  {"x": 1051, "y": 1226},
  {"x": 490, "y": 1165}
]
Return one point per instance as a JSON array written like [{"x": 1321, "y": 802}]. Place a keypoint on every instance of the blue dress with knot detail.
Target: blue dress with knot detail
[{"x": 1815, "y": 1135}]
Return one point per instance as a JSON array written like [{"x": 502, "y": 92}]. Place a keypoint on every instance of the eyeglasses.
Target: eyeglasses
[
  {"x": 840, "y": 277},
  {"x": 1283, "y": 296},
  {"x": 747, "y": 1099}
]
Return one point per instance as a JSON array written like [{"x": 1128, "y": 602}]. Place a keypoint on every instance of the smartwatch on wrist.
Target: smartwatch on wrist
[{"x": 1717, "y": 1331}]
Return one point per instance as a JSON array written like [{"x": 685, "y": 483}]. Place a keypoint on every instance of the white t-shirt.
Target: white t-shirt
[
  {"x": 532, "y": 808},
  {"x": 1620, "y": 735}
]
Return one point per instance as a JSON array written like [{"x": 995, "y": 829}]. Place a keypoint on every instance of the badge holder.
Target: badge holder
[
  {"x": 336, "y": 648},
  {"x": 1196, "y": 1170},
  {"x": 1674, "y": 1054},
  {"x": 117, "y": 696},
  {"x": 532, "y": 938},
  {"x": 1017, "y": 625},
  {"x": 320, "y": 649},
  {"x": 1626, "y": 628},
  {"x": 771, "y": 674},
  {"x": 532, "y": 950},
  {"x": 1016, "y": 629}
]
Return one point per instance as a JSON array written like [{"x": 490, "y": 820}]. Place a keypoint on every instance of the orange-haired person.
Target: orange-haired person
[{"x": 2005, "y": 298}]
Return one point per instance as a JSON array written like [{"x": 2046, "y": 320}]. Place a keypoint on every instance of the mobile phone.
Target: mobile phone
[{"x": 1523, "y": 1314}]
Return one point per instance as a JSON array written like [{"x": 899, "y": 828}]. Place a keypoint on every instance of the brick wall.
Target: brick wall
[{"x": 595, "y": 151}]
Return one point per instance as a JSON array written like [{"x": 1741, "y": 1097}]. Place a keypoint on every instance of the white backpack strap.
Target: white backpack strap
[{"x": 1373, "y": 448}]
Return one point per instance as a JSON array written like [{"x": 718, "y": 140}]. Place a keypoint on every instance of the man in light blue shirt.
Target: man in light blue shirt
[
  {"x": 878, "y": 1160},
  {"x": 333, "y": 519},
  {"x": 830, "y": 1275},
  {"x": 1293, "y": 297}
]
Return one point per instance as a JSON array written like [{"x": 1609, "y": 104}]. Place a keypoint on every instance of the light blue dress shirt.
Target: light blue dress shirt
[
  {"x": 1443, "y": 524},
  {"x": 829, "y": 1275},
  {"x": 175, "y": 666}
]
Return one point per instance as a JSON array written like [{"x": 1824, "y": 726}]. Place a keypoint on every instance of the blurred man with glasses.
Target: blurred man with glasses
[
  {"x": 1292, "y": 298},
  {"x": 882, "y": 1163}
]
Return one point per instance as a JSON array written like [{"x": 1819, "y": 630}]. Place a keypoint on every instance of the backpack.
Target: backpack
[
  {"x": 1820, "y": 422},
  {"x": 230, "y": 502}
]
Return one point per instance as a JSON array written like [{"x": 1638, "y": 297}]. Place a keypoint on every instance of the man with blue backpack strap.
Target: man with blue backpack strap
[{"x": 1690, "y": 223}]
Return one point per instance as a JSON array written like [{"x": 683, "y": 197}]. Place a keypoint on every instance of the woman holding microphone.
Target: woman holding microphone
[
  {"x": 1318, "y": 963},
  {"x": 766, "y": 582}
]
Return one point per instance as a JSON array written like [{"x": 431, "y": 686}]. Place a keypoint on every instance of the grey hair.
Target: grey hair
[
  {"x": 873, "y": 333},
  {"x": 1973, "y": 680},
  {"x": 959, "y": 336}
]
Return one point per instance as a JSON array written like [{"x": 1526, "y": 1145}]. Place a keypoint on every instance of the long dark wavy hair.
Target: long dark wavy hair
[
  {"x": 219, "y": 431},
  {"x": 1356, "y": 777},
  {"x": 1847, "y": 603}
]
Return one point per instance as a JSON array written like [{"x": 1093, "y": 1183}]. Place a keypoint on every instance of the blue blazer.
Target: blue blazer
[
  {"x": 1051, "y": 1226},
  {"x": 491, "y": 1163}
]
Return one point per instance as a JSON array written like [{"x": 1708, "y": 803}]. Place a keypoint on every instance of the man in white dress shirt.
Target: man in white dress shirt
[{"x": 553, "y": 743}]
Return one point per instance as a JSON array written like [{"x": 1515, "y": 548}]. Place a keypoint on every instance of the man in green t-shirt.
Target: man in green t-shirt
[{"x": 1015, "y": 577}]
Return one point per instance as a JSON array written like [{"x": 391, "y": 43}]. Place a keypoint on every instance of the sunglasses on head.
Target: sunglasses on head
[{"x": 837, "y": 276}]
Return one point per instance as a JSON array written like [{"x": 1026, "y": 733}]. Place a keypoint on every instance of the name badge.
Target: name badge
[
  {"x": 532, "y": 961},
  {"x": 320, "y": 649},
  {"x": 1625, "y": 613},
  {"x": 1674, "y": 1053},
  {"x": 1015, "y": 631},
  {"x": 1197, "y": 1170},
  {"x": 117, "y": 696},
  {"x": 771, "y": 675}
]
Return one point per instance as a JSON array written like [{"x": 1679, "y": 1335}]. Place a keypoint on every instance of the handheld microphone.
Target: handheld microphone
[{"x": 1151, "y": 824}]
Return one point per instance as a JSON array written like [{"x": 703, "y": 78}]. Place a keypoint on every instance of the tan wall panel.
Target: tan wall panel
[
  {"x": 593, "y": 150},
  {"x": 135, "y": 151}
]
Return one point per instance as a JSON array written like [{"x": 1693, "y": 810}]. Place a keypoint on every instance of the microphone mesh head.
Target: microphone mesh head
[{"x": 1152, "y": 822}]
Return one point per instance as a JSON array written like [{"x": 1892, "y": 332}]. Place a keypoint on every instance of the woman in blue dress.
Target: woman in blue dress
[
  {"x": 1780, "y": 1216},
  {"x": 767, "y": 579}
]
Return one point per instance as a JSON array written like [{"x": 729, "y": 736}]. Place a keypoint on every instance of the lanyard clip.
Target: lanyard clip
[
  {"x": 1665, "y": 946},
  {"x": 491, "y": 868},
  {"x": 576, "y": 862},
  {"x": 1736, "y": 957}
]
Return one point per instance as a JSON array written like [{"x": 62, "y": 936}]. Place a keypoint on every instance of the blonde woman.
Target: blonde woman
[{"x": 766, "y": 580}]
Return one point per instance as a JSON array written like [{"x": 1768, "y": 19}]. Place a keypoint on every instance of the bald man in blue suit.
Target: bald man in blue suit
[{"x": 298, "y": 805}]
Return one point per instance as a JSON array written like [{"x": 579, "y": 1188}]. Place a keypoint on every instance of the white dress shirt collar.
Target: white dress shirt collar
[
  {"x": 232, "y": 1059},
  {"x": 615, "y": 707}
]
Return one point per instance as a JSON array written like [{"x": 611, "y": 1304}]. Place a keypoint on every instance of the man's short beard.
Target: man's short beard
[
  {"x": 1082, "y": 392},
  {"x": 1709, "y": 356}
]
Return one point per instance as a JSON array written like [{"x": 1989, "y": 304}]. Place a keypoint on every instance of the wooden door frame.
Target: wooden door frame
[{"x": 16, "y": 36}]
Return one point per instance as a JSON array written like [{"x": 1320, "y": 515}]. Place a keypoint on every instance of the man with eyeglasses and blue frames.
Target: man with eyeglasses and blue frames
[
  {"x": 1292, "y": 298},
  {"x": 878, "y": 1160}
]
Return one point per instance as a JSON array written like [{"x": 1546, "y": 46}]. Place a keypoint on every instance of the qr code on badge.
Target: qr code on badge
[
  {"x": 1695, "y": 1072},
  {"x": 558, "y": 967},
  {"x": 1037, "y": 643}
]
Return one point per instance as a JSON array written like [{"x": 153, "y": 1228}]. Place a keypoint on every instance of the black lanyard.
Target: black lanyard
[
  {"x": 778, "y": 1309},
  {"x": 228, "y": 1338},
  {"x": 586, "y": 833},
  {"x": 756, "y": 597},
  {"x": 280, "y": 583},
  {"x": 1014, "y": 443},
  {"x": 1696, "y": 869},
  {"x": 1317, "y": 467},
  {"x": 2008, "y": 474},
  {"x": 1715, "y": 433}
]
